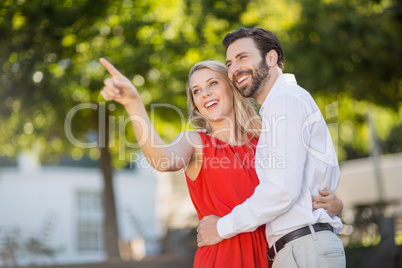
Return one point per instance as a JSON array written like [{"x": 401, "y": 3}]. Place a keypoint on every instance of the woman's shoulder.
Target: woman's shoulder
[{"x": 191, "y": 137}]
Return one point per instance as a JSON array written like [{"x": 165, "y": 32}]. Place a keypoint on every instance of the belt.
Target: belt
[{"x": 280, "y": 244}]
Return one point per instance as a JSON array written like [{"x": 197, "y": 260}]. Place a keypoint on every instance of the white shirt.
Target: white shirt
[{"x": 295, "y": 158}]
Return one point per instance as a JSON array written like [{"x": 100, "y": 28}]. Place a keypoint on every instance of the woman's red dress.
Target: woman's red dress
[{"x": 226, "y": 179}]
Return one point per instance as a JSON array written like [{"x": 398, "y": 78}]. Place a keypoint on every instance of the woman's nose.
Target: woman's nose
[{"x": 207, "y": 93}]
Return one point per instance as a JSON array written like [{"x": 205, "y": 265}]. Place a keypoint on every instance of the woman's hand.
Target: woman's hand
[
  {"x": 118, "y": 88},
  {"x": 328, "y": 201}
]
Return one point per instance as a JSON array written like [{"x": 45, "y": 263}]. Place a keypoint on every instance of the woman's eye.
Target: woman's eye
[
  {"x": 213, "y": 83},
  {"x": 196, "y": 91}
]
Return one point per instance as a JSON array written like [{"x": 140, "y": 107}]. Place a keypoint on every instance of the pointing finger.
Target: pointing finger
[{"x": 110, "y": 68}]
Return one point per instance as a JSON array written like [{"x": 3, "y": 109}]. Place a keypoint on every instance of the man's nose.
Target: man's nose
[{"x": 233, "y": 69}]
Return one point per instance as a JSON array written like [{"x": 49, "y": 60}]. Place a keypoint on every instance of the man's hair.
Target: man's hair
[{"x": 264, "y": 40}]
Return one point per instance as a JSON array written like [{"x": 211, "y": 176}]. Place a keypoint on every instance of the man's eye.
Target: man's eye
[{"x": 242, "y": 57}]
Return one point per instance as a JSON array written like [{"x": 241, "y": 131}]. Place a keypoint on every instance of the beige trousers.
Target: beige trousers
[{"x": 316, "y": 250}]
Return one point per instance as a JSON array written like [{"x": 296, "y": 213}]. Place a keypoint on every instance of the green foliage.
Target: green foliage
[
  {"x": 42, "y": 76},
  {"x": 352, "y": 47},
  {"x": 347, "y": 118},
  {"x": 339, "y": 50}
]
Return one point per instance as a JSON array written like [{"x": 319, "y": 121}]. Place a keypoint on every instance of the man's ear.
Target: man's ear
[{"x": 271, "y": 58}]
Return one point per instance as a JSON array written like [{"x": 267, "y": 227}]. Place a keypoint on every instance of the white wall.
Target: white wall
[
  {"x": 30, "y": 196},
  {"x": 358, "y": 184}
]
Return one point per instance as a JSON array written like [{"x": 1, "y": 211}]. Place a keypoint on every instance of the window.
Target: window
[{"x": 89, "y": 219}]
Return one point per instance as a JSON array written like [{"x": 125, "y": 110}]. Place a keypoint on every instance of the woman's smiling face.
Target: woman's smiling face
[{"x": 212, "y": 95}]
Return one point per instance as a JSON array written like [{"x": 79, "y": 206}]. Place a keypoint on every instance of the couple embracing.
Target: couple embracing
[{"x": 251, "y": 214}]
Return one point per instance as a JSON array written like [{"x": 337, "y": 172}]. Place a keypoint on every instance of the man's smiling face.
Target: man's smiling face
[{"x": 247, "y": 69}]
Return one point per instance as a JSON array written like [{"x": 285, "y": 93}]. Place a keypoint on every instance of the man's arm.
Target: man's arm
[
  {"x": 207, "y": 232},
  {"x": 280, "y": 185}
]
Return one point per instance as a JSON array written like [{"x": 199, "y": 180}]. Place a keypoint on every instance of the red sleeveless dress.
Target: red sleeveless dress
[{"x": 226, "y": 179}]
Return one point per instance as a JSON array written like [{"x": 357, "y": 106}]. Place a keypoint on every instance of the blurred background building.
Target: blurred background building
[{"x": 54, "y": 214}]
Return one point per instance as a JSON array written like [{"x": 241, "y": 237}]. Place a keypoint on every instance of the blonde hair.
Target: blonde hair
[{"x": 246, "y": 119}]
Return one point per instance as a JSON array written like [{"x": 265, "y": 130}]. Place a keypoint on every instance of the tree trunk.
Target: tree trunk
[{"x": 110, "y": 230}]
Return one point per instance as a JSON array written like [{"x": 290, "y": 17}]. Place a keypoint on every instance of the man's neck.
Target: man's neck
[{"x": 269, "y": 83}]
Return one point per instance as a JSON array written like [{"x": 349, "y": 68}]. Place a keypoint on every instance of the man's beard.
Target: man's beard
[{"x": 258, "y": 77}]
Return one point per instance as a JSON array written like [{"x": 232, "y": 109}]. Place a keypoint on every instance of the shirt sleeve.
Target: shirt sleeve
[{"x": 279, "y": 163}]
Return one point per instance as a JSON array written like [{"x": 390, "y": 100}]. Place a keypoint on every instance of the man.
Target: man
[{"x": 295, "y": 133}]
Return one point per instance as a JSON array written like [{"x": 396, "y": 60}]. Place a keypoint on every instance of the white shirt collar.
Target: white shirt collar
[{"x": 283, "y": 78}]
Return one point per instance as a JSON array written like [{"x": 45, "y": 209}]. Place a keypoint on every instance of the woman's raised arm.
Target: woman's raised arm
[{"x": 163, "y": 157}]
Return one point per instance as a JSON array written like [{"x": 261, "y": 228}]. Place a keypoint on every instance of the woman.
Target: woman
[{"x": 218, "y": 165}]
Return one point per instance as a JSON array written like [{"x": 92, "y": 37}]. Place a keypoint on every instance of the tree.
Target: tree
[
  {"x": 349, "y": 51},
  {"x": 40, "y": 57},
  {"x": 350, "y": 46},
  {"x": 49, "y": 95}
]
